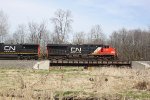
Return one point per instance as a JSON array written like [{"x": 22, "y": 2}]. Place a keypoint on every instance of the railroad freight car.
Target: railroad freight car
[
  {"x": 63, "y": 51},
  {"x": 19, "y": 51}
]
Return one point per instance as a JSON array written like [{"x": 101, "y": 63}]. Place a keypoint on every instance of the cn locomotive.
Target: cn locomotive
[
  {"x": 70, "y": 51},
  {"x": 19, "y": 51}
]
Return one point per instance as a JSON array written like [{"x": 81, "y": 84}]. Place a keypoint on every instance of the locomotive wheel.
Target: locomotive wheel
[
  {"x": 36, "y": 58},
  {"x": 20, "y": 57},
  {"x": 28, "y": 58}
]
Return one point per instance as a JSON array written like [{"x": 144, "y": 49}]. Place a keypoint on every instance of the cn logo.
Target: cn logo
[
  {"x": 75, "y": 50},
  {"x": 10, "y": 48}
]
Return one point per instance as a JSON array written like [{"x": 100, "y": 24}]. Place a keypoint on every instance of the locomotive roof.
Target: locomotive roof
[{"x": 75, "y": 44}]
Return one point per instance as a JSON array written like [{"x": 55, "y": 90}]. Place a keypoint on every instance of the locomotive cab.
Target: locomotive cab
[
  {"x": 105, "y": 52},
  {"x": 108, "y": 52}
]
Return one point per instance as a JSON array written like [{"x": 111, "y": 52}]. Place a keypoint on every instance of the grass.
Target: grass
[
  {"x": 67, "y": 93},
  {"x": 138, "y": 94},
  {"x": 74, "y": 82}
]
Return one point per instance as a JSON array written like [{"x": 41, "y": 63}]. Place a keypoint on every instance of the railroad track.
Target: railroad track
[
  {"x": 45, "y": 64},
  {"x": 88, "y": 63}
]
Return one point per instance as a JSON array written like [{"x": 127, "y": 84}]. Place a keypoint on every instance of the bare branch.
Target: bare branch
[{"x": 62, "y": 25}]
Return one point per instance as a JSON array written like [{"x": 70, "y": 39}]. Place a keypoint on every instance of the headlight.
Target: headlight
[{"x": 113, "y": 52}]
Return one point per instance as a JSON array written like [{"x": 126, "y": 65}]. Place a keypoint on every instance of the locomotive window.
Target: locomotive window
[
  {"x": 106, "y": 46},
  {"x": 102, "y": 50}
]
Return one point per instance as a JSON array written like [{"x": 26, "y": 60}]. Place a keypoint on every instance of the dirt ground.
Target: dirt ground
[{"x": 75, "y": 84}]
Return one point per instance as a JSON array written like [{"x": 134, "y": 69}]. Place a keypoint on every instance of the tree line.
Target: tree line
[{"x": 130, "y": 44}]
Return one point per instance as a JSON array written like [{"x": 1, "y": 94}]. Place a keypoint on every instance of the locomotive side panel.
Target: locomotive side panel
[
  {"x": 9, "y": 50},
  {"x": 70, "y": 51},
  {"x": 80, "y": 51},
  {"x": 29, "y": 51},
  {"x": 57, "y": 51},
  {"x": 94, "y": 48},
  {"x": 19, "y": 51},
  {"x": 33, "y": 49},
  {"x": 75, "y": 50}
]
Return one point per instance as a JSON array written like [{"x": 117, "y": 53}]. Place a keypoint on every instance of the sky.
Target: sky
[{"x": 112, "y": 15}]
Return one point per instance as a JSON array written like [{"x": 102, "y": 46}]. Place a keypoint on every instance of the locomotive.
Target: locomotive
[
  {"x": 58, "y": 51},
  {"x": 19, "y": 51},
  {"x": 70, "y": 51}
]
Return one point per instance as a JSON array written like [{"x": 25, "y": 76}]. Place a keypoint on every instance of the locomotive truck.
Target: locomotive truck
[
  {"x": 70, "y": 51},
  {"x": 19, "y": 51}
]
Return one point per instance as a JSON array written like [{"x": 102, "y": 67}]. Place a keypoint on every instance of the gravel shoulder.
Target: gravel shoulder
[{"x": 17, "y": 63}]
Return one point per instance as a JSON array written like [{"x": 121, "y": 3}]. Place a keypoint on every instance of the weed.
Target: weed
[
  {"x": 141, "y": 85},
  {"x": 74, "y": 82},
  {"x": 137, "y": 94}
]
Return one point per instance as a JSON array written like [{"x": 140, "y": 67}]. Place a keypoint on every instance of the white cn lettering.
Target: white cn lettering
[
  {"x": 75, "y": 50},
  {"x": 9, "y": 48}
]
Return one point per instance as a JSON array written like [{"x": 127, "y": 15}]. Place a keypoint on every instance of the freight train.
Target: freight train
[
  {"x": 69, "y": 51},
  {"x": 58, "y": 51},
  {"x": 19, "y": 51}
]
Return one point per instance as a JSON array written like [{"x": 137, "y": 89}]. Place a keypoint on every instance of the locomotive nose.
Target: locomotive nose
[{"x": 113, "y": 52}]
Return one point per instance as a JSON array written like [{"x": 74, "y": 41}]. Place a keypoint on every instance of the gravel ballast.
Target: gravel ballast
[{"x": 17, "y": 63}]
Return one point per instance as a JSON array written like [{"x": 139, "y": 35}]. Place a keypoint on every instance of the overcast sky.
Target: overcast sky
[{"x": 110, "y": 14}]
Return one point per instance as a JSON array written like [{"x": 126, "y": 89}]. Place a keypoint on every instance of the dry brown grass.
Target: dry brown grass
[{"x": 104, "y": 83}]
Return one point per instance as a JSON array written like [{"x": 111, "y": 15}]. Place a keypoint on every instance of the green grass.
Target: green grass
[
  {"x": 137, "y": 94},
  {"x": 9, "y": 76},
  {"x": 70, "y": 93}
]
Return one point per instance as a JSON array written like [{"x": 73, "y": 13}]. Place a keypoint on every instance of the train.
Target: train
[
  {"x": 19, "y": 51},
  {"x": 58, "y": 51},
  {"x": 84, "y": 51}
]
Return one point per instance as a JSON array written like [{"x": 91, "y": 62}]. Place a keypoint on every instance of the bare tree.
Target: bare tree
[
  {"x": 79, "y": 38},
  {"x": 9, "y": 39},
  {"x": 36, "y": 31},
  {"x": 19, "y": 35},
  {"x": 38, "y": 34},
  {"x": 122, "y": 41},
  {"x": 62, "y": 25},
  {"x": 45, "y": 39},
  {"x": 131, "y": 44},
  {"x": 3, "y": 25},
  {"x": 96, "y": 35}
]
